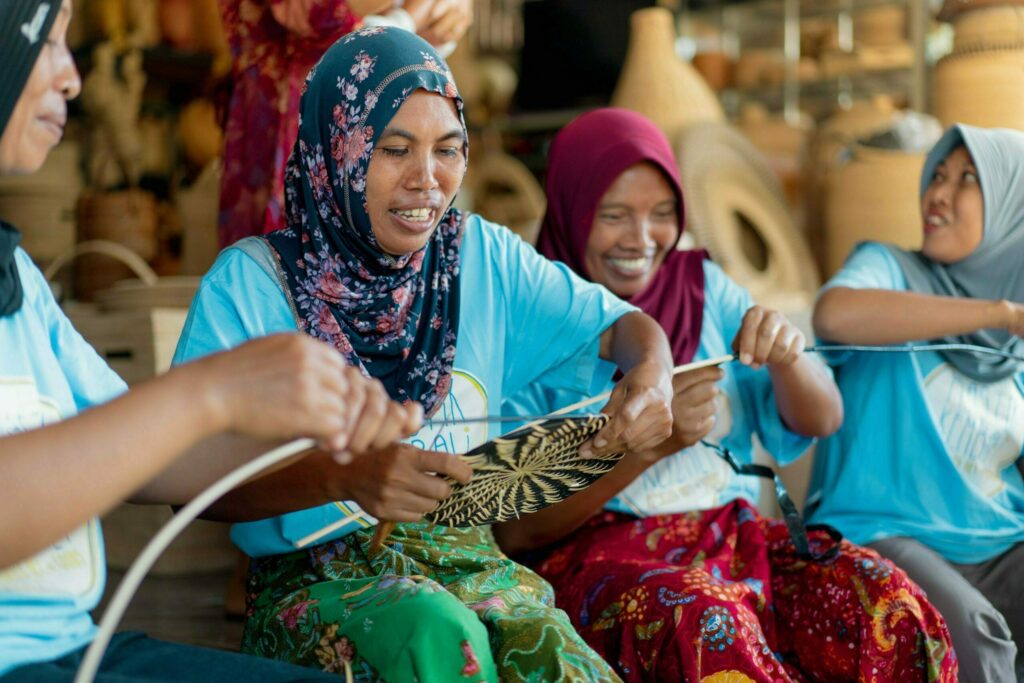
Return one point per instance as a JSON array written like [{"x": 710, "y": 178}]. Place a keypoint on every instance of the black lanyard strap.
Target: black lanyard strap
[{"x": 794, "y": 520}]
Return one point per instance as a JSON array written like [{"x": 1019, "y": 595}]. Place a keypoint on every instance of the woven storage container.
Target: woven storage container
[
  {"x": 138, "y": 339},
  {"x": 872, "y": 197},
  {"x": 988, "y": 28},
  {"x": 42, "y": 205},
  {"x": 127, "y": 217},
  {"x": 984, "y": 88},
  {"x": 656, "y": 83}
]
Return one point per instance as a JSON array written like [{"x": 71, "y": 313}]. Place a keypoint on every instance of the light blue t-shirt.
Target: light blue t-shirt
[
  {"x": 924, "y": 451},
  {"x": 521, "y": 316},
  {"x": 697, "y": 478},
  {"x": 47, "y": 373}
]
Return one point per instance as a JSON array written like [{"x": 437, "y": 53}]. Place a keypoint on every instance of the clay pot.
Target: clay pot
[
  {"x": 872, "y": 197},
  {"x": 656, "y": 83}
]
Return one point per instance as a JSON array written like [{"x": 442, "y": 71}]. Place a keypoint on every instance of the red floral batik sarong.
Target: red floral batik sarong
[{"x": 720, "y": 596}]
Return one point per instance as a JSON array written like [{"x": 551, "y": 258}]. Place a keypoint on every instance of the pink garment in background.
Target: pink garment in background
[{"x": 274, "y": 43}]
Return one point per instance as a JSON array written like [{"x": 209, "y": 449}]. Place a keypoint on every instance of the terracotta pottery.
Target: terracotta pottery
[
  {"x": 656, "y": 83},
  {"x": 872, "y": 197},
  {"x": 983, "y": 88}
]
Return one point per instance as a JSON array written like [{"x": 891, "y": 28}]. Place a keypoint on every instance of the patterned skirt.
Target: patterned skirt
[
  {"x": 434, "y": 604},
  {"x": 720, "y": 596}
]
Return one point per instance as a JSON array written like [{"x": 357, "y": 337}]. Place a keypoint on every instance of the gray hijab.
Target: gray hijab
[{"x": 995, "y": 270}]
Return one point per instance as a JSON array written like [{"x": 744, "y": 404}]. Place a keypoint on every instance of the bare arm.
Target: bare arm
[
  {"x": 57, "y": 477},
  {"x": 806, "y": 396},
  {"x": 880, "y": 316},
  {"x": 641, "y": 422}
]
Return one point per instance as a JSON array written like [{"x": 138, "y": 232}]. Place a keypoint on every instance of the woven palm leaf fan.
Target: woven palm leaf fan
[
  {"x": 524, "y": 471},
  {"x": 737, "y": 211}
]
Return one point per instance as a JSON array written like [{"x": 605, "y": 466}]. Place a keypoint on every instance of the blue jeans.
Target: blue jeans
[{"x": 133, "y": 657}]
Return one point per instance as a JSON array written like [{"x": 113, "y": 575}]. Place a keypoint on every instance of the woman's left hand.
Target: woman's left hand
[
  {"x": 766, "y": 337},
  {"x": 640, "y": 409}
]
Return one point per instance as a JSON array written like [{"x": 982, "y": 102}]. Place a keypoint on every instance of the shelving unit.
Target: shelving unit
[{"x": 776, "y": 25}]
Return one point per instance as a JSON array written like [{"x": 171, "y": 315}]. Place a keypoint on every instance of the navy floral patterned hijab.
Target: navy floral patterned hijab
[{"x": 396, "y": 318}]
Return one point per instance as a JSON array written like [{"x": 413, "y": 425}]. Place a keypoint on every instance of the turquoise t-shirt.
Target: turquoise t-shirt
[
  {"x": 696, "y": 478},
  {"x": 924, "y": 451},
  {"x": 522, "y": 316},
  {"x": 47, "y": 373}
]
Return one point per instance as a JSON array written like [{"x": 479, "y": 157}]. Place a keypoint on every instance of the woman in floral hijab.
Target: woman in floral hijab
[{"x": 448, "y": 311}]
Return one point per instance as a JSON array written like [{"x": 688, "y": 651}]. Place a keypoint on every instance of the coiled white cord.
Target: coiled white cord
[{"x": 151, "y": 553}]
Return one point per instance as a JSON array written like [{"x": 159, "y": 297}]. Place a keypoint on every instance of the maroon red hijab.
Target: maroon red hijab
[{"x": 586, "y": 157}]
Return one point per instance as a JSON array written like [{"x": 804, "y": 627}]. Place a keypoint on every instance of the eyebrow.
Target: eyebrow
[
  {"x": 455, "y": 133},
  {"x": 623, "y": 205}
]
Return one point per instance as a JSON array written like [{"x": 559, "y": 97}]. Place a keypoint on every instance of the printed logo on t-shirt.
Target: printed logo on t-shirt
[
  {"x": 467, "y": 398},
  {"x": 71, "y": 567},
  {"x": 981, "y": 424},
  {"x": 692, "y": 479}
]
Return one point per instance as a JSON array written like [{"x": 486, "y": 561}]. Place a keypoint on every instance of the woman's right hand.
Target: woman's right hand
[
  {"x": 400, "y": 483},
  {"x": 291, "y": 385},
  {"x": 693, "y": 412},
  {"x": 1014, "y": 314}
]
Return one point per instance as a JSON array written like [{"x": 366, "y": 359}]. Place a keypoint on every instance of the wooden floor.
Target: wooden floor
[{"x": 180, "y": 609}]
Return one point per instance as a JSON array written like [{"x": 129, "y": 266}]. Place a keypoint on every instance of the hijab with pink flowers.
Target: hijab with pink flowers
[{"x": 586, "y": 157}]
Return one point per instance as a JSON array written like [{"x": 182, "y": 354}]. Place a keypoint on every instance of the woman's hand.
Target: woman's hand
[
  {"x": 640, "y": 409},
  {"x": 693, "y": 413},
  {"x": 448, "y": 21},
  {"x": 290, "y": 385},
  {"x": 400, "y": 483},
  {"x": 766, "y": 337},
  {"x": 1013, "y": 314}
]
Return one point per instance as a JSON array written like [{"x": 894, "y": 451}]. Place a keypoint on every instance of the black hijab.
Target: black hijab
[{"x": 24, "y": 28}]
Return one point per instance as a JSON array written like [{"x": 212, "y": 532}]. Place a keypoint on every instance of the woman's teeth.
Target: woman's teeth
[
  {"x": 631, "y": 266},
  {"x": 416, "y": 215}
]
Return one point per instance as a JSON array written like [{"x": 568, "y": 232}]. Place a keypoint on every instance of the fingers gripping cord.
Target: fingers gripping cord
[{"x": 151, "y": 553}]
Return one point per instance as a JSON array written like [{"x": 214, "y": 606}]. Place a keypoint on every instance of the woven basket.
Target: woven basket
[
  {"x": 126, "y": 217},
  {"x": 953, "y": 9},
  {"x": 656, "y": 83},
  {"x": 984, "y": 88},
  {"x": 988, "y": 28},
  {"x": 873, "y": 197},
  {"x": 42, "y": 205}
]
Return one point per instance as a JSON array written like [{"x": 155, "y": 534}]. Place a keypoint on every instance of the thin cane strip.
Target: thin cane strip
[{"x": 330, "y": 528}]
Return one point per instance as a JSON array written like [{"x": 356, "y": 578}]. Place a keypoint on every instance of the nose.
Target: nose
[
  {"x": 422, "y": 173},
  {"x": 68, "y": 80},
  {"x": 640, "y": 234}
]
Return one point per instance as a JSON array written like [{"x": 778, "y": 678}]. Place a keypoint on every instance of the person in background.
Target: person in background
[
  {"x": 273, "y": 44},
  {"x": 664, "y": 565},
  {"x": 926, "y": 469},
  {"x": 448, "y": 310},
  {"x": 74, "y": 442}
]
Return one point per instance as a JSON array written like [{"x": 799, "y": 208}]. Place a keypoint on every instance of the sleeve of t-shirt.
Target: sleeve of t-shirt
[
  {"x": 237, "y": 301},
  {"x": 92, "y": 381},
  {"x": 730, "y": 302},
  {"x": 870, "y": 266},
  {"x": 556, "y": 318}
]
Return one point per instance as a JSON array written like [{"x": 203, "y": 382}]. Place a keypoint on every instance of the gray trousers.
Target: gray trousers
[{"x": 983, "y": 605}]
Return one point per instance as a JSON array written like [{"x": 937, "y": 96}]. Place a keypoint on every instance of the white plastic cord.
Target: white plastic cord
[{"x": 151, "y": 553}]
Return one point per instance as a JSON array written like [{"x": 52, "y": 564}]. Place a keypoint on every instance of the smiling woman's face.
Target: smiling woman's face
[
  {"x": 953, "y": 209},
  {"x": 37, "y": 121},
  {"x": 635, "y": 226},
  {"x": 417, "y": 167}
]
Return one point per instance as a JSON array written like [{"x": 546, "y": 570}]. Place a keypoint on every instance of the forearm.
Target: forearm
[
  {"x": 635, "y": 338},
  {"x": 557, "y": 521},
  {"x": 880, "y": 316},
  {"x": 806, "y": 397},
  {"x": 298, "y": 486},
  {"x": 57, "y": 477}
]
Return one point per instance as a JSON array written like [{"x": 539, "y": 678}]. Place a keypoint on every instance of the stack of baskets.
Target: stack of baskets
[{"x": 982, "y": 81}]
